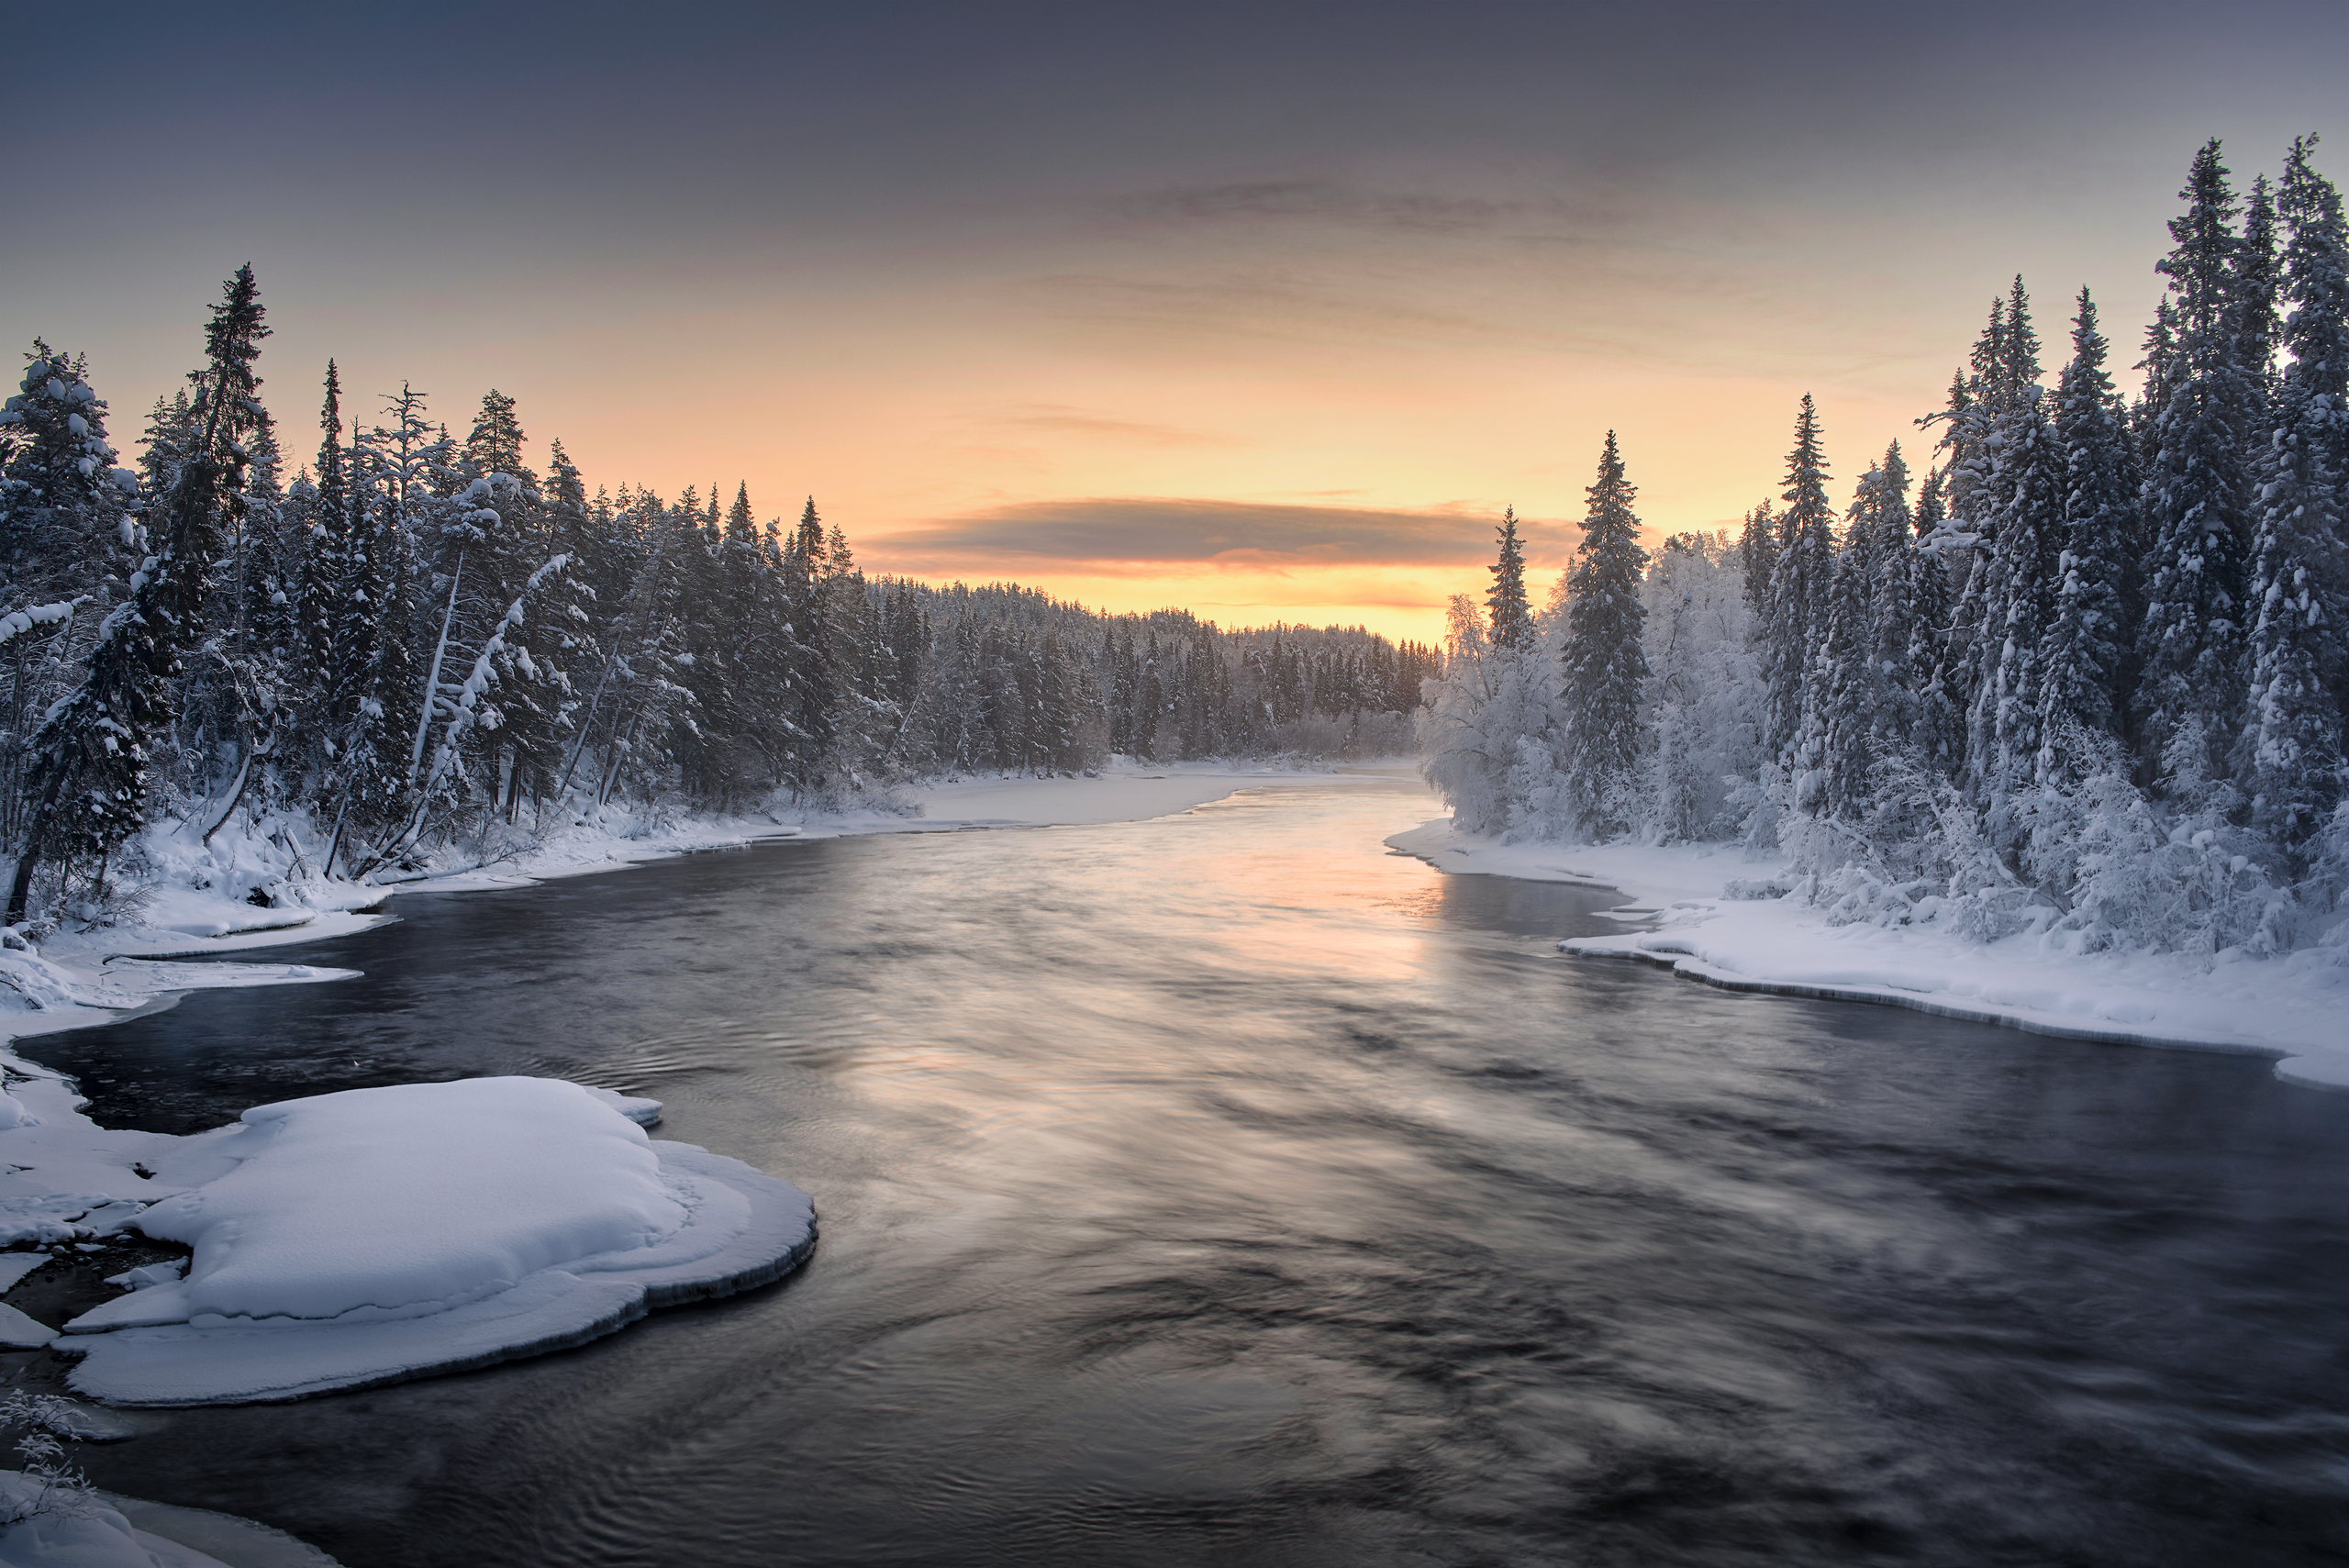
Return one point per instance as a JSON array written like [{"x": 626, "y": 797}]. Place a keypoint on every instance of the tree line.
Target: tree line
[
  {"x": 418, "y": 637},
  {"x": 2085, "y": 677}
]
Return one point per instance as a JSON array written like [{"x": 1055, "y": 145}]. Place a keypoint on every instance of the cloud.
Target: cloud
[
  {"x": 1117, "y": 535},
  {"x": 1255, "y": 303},
  {"x": 1324, "y": 202},
  {"x": 1059, "y": 419}
]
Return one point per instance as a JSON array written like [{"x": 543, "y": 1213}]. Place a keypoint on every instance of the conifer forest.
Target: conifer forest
[
  {"x": 2069, "y": 662},
  {"x": 407, "y": 638}
]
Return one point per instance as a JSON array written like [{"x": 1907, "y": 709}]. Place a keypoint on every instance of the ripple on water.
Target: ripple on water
[{"x": 1224, "y": 1190}]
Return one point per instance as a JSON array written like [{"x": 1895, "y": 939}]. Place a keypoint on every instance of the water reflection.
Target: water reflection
[{"x": 1224, "y": 1190}]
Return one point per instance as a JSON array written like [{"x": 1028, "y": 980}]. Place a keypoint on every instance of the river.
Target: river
[{"x": 1225, "y": 1190}]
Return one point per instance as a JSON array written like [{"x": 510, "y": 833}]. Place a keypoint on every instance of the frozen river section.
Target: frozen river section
[{"x": 1223, "y": 1189}]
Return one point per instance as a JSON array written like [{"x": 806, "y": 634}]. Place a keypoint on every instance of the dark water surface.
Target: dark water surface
[{"x": 1222, "y": 1190}]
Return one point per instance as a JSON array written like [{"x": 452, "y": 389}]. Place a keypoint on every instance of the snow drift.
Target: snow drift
[{"x": 350, "y": 1240}]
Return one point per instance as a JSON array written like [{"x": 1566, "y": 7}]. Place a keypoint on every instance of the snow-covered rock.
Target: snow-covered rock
[{"x": 362, "y": 1238}]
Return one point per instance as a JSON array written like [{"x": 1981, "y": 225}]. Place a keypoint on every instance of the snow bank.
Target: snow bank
[
  {"x": 242, "y": 1543},
  {"x": 98, "y": 1530},
  {"x": 350, "y": 1240},
  {"x": 85, "y": 1533},
  {"x": 1736, "y": 923}
]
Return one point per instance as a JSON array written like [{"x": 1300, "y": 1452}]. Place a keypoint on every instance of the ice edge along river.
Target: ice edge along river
[{"x": 2289, "y": 1008}]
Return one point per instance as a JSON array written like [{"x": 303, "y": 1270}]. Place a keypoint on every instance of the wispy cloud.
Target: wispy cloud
[
  {"x": 1254, "y": 304},
  {"x": 1115, "y": 533},
  {"x": 1056, "y": 419},
  {"x": 1329, "y": 203}
]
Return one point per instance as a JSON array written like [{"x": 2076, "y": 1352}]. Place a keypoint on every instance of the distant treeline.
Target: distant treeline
[
  {"x": 2087, "y": 679},
  {"x": 416, "y": 632}
]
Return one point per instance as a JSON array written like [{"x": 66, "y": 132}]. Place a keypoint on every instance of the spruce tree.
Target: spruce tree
[
  {"x": 1757, "y": 556},
  {"x": 2085, "y": 685},
  {"x": 1509, "y": 613},
  {"x": 1864, "y": 645},
  {"x": 494, "y": 443},
  {"x": 2289, "y": 755},
  {"x": 2197, "y": 493},
  {"x": 1795, "y": 614},
  {"x": 62, "y": 500},
  {"x": 1604, "y": 666},
  {"x": 1923, "y": 604},
  {"x": 2014, "y": 599},
  {"x": 93, "y": 761},
  {"x": 328, "y": 520}
]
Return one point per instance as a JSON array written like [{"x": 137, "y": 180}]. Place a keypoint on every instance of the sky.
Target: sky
[{"x": 1264, "y": 310}]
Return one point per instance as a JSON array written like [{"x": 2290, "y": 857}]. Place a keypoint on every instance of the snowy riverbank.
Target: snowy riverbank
[{"x": 1721, "y": 917}]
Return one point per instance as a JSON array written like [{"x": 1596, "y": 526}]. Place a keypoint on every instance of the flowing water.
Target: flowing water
[{"x": 1224, "y": 1190}]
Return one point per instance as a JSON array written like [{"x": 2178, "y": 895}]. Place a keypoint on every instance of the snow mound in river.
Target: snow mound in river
[{"x": 356, "y": 1239}]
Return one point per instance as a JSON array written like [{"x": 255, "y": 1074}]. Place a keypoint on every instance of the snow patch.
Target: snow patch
[{"x": 356, "y": 1238}]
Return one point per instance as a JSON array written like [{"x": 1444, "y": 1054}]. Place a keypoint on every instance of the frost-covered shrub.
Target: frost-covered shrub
[
  {"x": 1855, "y": 894},
  {"x": 1488, "y": 700},
  {"x": 2191, "y": 886},
  {"x": 52, "y": 1484}
]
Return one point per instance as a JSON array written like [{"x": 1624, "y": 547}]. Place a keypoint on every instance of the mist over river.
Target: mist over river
[{"x": 1223, "y": 1189}]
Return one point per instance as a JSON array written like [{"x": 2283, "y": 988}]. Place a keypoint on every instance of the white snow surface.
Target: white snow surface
[
  {"x": 351, "y": 1240},
  {"x": 1708, "y": 927},
  {"x": 87, "y": 1535},
  {"x": 99, "y": 1530},
  {"x": 398, "y": 1202}
]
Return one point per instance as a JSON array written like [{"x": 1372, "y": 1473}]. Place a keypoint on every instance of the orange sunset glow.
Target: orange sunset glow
[{"x": 1144, "y": 320}]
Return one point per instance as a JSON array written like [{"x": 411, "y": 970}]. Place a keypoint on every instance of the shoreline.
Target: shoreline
[{"x": 1755, "y": 937}]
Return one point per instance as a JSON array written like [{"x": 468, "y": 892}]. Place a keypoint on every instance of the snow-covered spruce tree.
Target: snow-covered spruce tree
[
  {"x": 1757, "y": 557},
  {"x": 66, "y": 528},
  {"x": 1902, "y": 594},
  {"x": 321, "y": 508},
  {"x": 2086, "y": 662},
  {"x": 62, "y": 503},
  {"x": 324, "y": 510},
  {"x": 1508, "y": 612},
  {"x": 1489, "y": 729},
  {"x": 1539, "y": 805},
  {"x": 2014, "y": 599},
  {"x": 1856, "y": 697},
  {"x": 864, "y": 718},
  {"x": 241, "y": 684},
  {"x": 524, "y": 733},
  {"x": 2002, "y": 374},
  {"x": 2197, "y": 495},
  {"x": 93, "y": 760},
  {"x": 2289, "y": 756},
  {"x": 1602, "y": 666},
  {"x": 1795, "y": 614},
  {"x": 400, "y": 473},
  {"x": 810, "y": 686},
  {"x": 1917, "y": 601}
]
